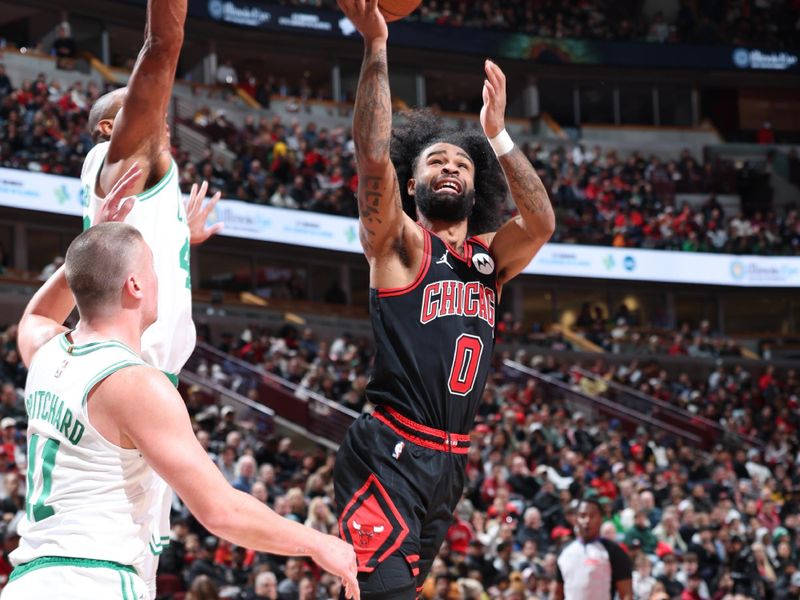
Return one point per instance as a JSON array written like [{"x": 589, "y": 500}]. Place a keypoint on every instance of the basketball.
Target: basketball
[{"x": 394, "y": 10}]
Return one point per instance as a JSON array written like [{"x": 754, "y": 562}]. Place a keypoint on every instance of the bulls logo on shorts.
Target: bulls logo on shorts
[{"x": 372, "y": 524}]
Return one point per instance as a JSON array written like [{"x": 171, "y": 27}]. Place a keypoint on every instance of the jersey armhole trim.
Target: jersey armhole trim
[
  {"x": 476, "y": 240},
  {"x": 467, "y": 248},
  {"x": 97, "y": 379},
  {"x": 105, "y": 374},
  {"x": 81, "y": 349},
  {"x": 423, "y": 270},
  {"x": 141, "y": 196},
  {"x": 147, "y": 194}
]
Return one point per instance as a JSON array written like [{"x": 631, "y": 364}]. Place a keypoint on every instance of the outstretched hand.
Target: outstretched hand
[
  {"x": 493, "y": 113},
  {"x": 366, "y": 17},
  {"x": 197, "y": 214},
  {"x": 117, "y": 204}
]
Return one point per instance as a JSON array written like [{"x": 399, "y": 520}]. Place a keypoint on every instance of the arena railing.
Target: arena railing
[
  {"x": 595, "y": 406},
  {"x": 665, "y": 411},
  {"x": 263, "y": 418},
  {"x": 318, "y": 415},
  {"x": 245, "y": 409}
]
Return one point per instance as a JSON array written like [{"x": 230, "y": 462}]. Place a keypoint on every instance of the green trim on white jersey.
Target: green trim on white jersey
[
  {"x": 81, "y": 349},
  {"x": 162, "y": 183}
]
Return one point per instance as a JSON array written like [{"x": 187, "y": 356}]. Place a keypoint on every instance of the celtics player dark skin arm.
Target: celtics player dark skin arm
[
  {"x": 135, "y": 116},
  {"x": 392, "y": 242}
]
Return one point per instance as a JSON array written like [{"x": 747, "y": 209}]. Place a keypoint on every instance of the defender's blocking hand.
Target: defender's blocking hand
[
  {"x": 117, "y": 205},
  {"x": 197, "y": 214}
]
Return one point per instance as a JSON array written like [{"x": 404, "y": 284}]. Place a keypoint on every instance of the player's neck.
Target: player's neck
[
  {"x": 124, "y": 330},
  {"x": 454, "y": 234}
]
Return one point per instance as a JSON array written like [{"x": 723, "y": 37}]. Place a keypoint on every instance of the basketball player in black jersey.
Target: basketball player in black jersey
[{"x": 435, "y": 284}]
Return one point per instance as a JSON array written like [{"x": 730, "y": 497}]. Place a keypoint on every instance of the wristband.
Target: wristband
[{"x": 502, "y": 143}]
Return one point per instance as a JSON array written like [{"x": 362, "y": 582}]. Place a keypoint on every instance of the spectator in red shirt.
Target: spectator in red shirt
[
  {"x": 766, "y": 135},
  {"x": 604, "y": 484},
  {"x": 459, "y": 535},
  {"x": 8, "y": 442}
]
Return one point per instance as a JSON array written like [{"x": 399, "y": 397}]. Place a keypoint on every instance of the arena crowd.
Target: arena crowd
[
  {"x": 600, "y": 197},
  {"x": 717, "y": 524},
  {"x": 773, "y": 24}
]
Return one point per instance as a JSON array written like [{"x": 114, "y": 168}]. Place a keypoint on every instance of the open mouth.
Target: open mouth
[{"x": 450, "y": 186}]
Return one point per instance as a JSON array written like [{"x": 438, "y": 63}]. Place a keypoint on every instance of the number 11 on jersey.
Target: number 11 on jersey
[{"x": 39, "y": 510}]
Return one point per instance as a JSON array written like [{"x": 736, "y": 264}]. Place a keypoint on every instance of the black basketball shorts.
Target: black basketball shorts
[{"x": 397, "y": 484}]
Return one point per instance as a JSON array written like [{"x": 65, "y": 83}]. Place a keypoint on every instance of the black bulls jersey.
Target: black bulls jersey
[{"x": 434, "y": 338}]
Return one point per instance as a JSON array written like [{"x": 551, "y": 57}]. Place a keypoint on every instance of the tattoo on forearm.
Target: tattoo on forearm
[
  {"x": 372, "y": 115},
  {"x": 526, "y": 188},
  {"x": 372, "y": 132},
  {"x": 373, "y": 191},
  {"x": 370, "y": 199}
]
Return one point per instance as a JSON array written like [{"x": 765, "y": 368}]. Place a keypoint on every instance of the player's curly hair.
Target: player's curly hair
[{"x": 420, "y": 129}]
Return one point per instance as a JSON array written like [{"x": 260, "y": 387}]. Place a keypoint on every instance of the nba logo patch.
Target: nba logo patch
[
  {"x": 398, "y": 450},
  {"x": 484, "y": 263},
  {"x": 61, "y": 368}
]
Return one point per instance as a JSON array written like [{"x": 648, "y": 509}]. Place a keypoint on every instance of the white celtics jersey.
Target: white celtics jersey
[
  {"x": 159, "y": 214},
  {"x": 86, "y": 497}
]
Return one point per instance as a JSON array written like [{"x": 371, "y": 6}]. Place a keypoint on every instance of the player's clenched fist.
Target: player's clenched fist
[
  {"x": 366, "y": 17},
  {"x": 339, "y": 558}
]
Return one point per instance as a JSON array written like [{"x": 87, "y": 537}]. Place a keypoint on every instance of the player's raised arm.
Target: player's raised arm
[
  {"x": 380, "y": 207},
  {"x": 140, "y": 127},
  {"x": 517, "y": 242}
]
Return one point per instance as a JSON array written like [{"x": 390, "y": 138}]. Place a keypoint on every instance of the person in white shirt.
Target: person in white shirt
[{"x": 591, "y": 566}]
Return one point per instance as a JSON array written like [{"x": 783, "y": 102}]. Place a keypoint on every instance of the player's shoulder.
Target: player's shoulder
[{"x": 134, "y": 378}]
